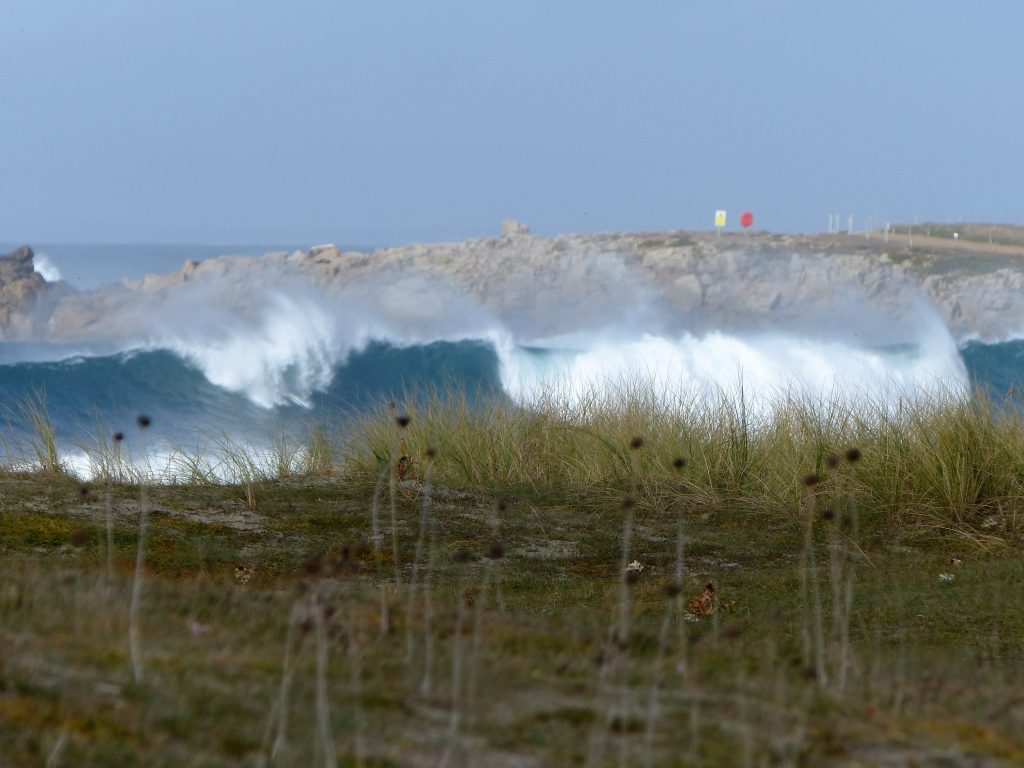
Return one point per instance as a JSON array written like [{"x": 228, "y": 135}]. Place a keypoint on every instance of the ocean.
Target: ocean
[{"x": 299, "y": 363}]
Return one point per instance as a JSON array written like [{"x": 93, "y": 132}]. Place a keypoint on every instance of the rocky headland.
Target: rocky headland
[{"x": 540, "y": 286}]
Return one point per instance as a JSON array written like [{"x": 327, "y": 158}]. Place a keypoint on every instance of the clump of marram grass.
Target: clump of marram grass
[
  {"x": 42, "y": 440},
  {"x": 319, "y": 456},
  {"x": 932, "y": 460}
]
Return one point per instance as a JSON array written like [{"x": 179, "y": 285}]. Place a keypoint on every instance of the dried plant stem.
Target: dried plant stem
[
  {"x": 426, "y": 681},
  {"x": 837, "y": 555},
  {"x": 694, "y": 751},
  {"x": 813, "y": 620},
  {"x": 629, "y": 507},
  {"x": 624, "y": 602},
  {"x": 375, "y": 535},
  {"x": 805, "y": 600},
  {"x": 410, "y": 599},
  {"x": 474, "y": 653},
  {"x": 844, "y": 637},
  {"x": 652, "y": 704},
  {"x": 109, "y": 510},
  {"x": 323, "y": 713},
  {"x": 598, "y": 735},
  {"x": 623, "y": 631},
  {"x": 456, "y": 702},
  {"x": 746, "y": 726},
  {"x": 625, "y": 703},
  {"x": 355, "y": 660},
  {"x": 53, "y": 760},
  {"x": 394, "y": 534},
  {"x": 819, "y": 629},
  {"x": 680, "y": 575},
  {"x": 901, "y": 679},
  {"x": 280, "y": 710},
  {"x": 134, "y": 640}
]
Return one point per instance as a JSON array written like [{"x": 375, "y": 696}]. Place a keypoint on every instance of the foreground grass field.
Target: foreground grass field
[{"x": 494, "y": 588}]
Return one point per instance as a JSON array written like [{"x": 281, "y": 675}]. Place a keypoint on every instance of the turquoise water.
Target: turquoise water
[
  {"x": 86, "y": 394},
  {"x": 89, "y": 395}
]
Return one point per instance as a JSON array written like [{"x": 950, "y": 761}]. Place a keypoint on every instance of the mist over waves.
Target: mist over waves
[{"x": 244, "y": 342}]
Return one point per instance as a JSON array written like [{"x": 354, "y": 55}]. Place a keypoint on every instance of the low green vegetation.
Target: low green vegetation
[
  {"x": 596, "y": 583},
  {"x": 996, "y": 234}
]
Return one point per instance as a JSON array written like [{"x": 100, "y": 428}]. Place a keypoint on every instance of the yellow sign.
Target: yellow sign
[{"x": 719, "y": 218}]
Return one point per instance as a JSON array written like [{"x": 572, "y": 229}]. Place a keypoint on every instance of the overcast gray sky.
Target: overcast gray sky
[{"x": 382, "y": 122}]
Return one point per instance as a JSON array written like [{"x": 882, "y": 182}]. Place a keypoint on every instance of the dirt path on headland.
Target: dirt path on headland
[{"x": 901, "y": 240}]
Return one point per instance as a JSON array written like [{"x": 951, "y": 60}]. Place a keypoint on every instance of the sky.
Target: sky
[{"x": 384, "y": 122}]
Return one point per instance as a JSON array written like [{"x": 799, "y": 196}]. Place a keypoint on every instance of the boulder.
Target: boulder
[
  {"x": 511, "y": 228},
  {"x": 20, "y": 287}
]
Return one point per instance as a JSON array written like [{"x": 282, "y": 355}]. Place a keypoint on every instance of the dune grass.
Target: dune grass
[
  {"x": 542, "y": 597},
  {"x": 939, "y": 462}
]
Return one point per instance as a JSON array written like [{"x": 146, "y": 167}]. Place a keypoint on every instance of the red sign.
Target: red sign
[{"x": 746, "y": 219}]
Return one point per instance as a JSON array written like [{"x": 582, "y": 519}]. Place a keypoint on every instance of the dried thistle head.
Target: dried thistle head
[
  {"x": 403, "y": 420},
  {"x": 636, "y": 443},
  {"x": 463, "y": 555},
  {"x": 672, "y": 588},
  {"x": 496, "y": 551},
  {"x": 832, "y": 461},
  {"x": 243, "y": 573},
  {"x": 431, "y": 453},
  {"x": 678, "y": 462},
  {"x": 80, "y": 536},
  {"x": 812, "y": 479},
  {"x": 360, "y": 549},
  {"x": 628, "y": 502},
  {"x": 853, "y": 455},
  {"x": 732, "y": 630},
  {"x": 143, "y": 421},
  {"x": 118, "y": 437},
  {"x": 314, "y": 565}
]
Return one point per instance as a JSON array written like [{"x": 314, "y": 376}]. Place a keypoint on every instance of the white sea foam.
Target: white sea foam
[
  {"x": 294, "y": 344},
  {"x": 295, "y": 351},
  {"x": 277, "y": 340},
  {"x": 766, "y": 365},
  {"x": 49, "y": 271},
  {"x": 290, "y": 342},
  {"x": 285, "y": 356}
]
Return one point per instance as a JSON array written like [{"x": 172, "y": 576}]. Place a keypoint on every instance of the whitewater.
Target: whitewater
[{"x": 245, "y": 361}]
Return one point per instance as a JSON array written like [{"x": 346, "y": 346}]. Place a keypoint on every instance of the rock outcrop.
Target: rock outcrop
[
  {"x": 540, "y": 286},
  {"x": 20, "y": 289}
]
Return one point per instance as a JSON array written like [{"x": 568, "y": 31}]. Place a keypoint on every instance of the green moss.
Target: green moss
[{"x": 214, "y": 648}]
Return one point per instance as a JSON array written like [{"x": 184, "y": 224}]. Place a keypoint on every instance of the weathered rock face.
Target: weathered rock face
[
  {"x": 539, "y": 286},
  {"x": 989, "y": 306},
  {"x": 20, "y": 288}
]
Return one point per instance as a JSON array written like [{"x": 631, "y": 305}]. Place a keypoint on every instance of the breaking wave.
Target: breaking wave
[{"x": 285, "y": 355}]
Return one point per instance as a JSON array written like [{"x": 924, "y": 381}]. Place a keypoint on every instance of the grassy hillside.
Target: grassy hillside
[{"x": 497, "y": 588}]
